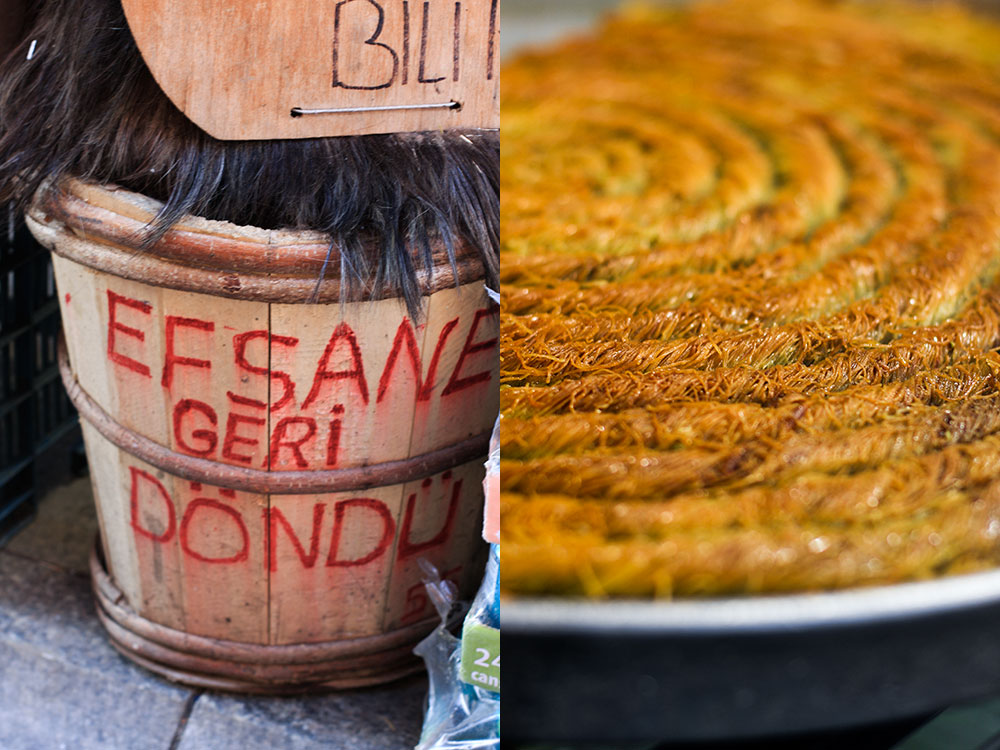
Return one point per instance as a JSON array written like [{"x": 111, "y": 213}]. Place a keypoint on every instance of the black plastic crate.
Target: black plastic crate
[{"x": 34, "y": 409}]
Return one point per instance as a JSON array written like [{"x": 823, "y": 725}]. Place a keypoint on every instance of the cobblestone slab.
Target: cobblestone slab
[
  {"x": 387, "y": 718},
  {"x": 61, "y": 684}
]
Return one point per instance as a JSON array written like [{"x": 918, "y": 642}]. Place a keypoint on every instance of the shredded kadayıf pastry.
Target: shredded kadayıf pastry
[{"x": 751, "y": 301}]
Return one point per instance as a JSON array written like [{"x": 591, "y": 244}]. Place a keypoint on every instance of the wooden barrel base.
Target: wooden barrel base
[{"x": 251, "y": 668}]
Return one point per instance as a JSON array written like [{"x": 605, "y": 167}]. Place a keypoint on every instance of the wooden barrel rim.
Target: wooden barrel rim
[
  {"x": 127, "y": 648},
  {"x": 247, "y": 667},
  {"x": 102, "y": 228},
  {"x": 255, "y": 480}
]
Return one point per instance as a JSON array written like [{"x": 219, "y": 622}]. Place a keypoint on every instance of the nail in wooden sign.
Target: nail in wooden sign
[{"x": 279, "y": 69}]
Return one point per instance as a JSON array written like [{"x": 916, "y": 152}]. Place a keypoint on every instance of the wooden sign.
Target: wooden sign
[{"x": 278, "y": 69}]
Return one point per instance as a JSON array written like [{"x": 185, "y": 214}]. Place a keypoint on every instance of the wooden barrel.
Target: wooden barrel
[{"x": 271, "y": 463}]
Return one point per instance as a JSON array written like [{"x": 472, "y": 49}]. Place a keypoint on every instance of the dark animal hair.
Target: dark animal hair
[{"x": 87, "y": 106}]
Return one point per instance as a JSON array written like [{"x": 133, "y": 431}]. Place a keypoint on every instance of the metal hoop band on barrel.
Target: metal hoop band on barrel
[
  {"x": 251, "y": 668},
  {"x": 255, "y": 480}
]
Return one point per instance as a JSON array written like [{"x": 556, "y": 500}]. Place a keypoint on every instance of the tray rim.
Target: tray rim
[{"x": 751, "y": 613}]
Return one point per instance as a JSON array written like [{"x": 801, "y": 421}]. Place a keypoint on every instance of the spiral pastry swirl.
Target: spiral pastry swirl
[{"x": 751, "y": 301}]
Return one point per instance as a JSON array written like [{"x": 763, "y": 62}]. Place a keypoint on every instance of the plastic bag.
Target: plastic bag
[{"x": 463, "y": 716}]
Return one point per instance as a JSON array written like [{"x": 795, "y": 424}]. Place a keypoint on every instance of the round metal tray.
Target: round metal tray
[{"x": 750, "y": 667}]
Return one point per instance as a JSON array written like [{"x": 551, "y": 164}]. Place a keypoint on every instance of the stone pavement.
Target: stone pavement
[{"x": 63, "y": 686}]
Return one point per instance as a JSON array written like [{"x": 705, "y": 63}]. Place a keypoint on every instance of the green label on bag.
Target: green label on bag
[{"x": 481, "y": 656}]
